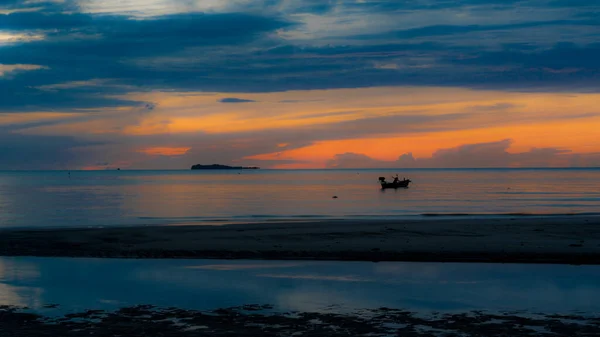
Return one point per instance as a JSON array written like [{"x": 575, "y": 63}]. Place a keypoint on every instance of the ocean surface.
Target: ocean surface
[
  {"x": 116, "y": 198},
  {"x": 109, "y": 284}
]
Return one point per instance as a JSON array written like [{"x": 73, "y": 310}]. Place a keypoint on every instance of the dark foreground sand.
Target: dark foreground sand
[
  {"x": 565, "y": 239},
  {"x": 253, "y": 320}
]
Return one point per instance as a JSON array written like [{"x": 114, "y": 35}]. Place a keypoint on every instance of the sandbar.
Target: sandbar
[{"x": 508, "y": 239}]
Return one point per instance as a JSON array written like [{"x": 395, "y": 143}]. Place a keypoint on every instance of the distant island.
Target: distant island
[{"x": 222, "y": 167}]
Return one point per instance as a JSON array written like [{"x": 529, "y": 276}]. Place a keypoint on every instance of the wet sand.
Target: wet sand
[{"x": 523, "y": 239}]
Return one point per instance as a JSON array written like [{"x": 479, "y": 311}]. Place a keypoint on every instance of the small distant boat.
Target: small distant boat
[{"x": 396, "y": 183}]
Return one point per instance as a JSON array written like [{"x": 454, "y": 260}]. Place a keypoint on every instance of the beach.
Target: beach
[
  {"x": 273, "y": 253},
  {"x": 522, "y": 239}
]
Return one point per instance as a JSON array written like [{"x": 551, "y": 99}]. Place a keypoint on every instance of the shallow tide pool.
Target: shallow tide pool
[{"x": 108, "y": 284}]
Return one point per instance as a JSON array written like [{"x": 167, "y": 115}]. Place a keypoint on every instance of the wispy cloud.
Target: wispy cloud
[
  {"x": 6, "y": 69},
  {"x": 235, "y": 100},
  {"x": 165, "y": 151}
]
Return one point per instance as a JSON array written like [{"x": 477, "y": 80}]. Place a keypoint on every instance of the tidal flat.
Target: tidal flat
[{"x": 179, "y": 297}]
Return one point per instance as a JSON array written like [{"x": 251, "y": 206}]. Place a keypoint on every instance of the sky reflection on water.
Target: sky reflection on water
[
  {"x": 78, "y": 284},
  {"x": 113, "y": 198}
]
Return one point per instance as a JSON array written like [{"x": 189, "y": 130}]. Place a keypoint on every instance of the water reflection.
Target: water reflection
[
  {"x": 78, "y": 284},
  {"x": 16, "y": 288},
  {"x": 147, "y": 197}
]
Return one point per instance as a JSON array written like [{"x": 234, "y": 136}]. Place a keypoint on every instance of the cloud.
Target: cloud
[
  {"x": 235, "y": 100},
  {"x": 6, "y": 69},
  {"x": 8, "y": 38},
  {"x": 492, "y": 154},
  {"x": 299, "y": 100},
  {"x": 93, "y": 58},
  {"x": 39, "y": 20},
  {"x": 242, "y": 46},
  {"x": 166, "y": 151},
  {"x": 560, "y": 56},
  {"x": 354, "y": 160},
  {"x": 81, "y": 48},
  {"x": 30, "y": 99},
  {"x": 479, "y": 155},
  {"x": 494, "y": 107},
  {"x": 250, "y": 132},
  {"x": 40, "y": 152}
]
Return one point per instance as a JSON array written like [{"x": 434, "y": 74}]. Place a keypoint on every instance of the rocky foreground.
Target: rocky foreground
[{"x": 255, "y": 320}]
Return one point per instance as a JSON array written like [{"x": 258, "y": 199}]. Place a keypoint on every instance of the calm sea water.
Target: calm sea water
[
  {"x": 110, "y": 198},
  {"x": 297, "y": 285}
]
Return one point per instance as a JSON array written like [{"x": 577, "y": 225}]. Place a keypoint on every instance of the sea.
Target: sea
[
  {"x": 177, "y": 197},
  {"x": 57, "y": 286}
]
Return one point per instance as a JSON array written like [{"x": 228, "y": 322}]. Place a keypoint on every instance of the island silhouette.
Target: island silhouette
[{"x": 222, "y": 167}]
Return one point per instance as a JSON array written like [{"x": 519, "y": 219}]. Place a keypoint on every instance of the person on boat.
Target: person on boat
[{"x": 396, "y": 180}]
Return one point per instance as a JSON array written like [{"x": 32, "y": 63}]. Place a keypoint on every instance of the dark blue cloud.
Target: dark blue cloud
[
  {"x": 242, "y": 52},
  {"x": 572, "y": 3},
  {"x": 101, "y": 49},
  {"x": 562, "y": 55},
  {"x": 10, "y": 3},
  {"x": 18, "y": 96},
  {"x": 101, "y": 39},
  {"x": 39, "y": 152},
  {"x": 442, "y": 30},
  {"x": 235, "y": 100},
  {"x": 38, "y": 20}
]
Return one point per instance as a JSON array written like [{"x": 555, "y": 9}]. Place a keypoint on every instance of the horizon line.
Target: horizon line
[{"x": 314, "y": 169}]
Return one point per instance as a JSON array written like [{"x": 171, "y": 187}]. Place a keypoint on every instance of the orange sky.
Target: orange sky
[
  {"x": 382, "y": 123},
  {"x": 579, "y": 136}
]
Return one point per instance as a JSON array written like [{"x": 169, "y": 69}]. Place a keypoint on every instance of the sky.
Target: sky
[{"x": 165, "y": 84}]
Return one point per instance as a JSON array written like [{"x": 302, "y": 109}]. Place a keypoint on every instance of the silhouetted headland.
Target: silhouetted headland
[{"x": 222, "y": 167}]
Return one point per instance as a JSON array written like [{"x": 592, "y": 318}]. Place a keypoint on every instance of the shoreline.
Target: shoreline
[{"x": 564, "y": 240}]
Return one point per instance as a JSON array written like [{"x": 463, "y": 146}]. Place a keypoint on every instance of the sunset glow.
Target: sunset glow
[
  {"x": 288, "y": 86},
  {"x": 166, "y": 151}
]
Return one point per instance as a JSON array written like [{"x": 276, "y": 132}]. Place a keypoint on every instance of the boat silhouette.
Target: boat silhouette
[{"x": 396, "y": 183}]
